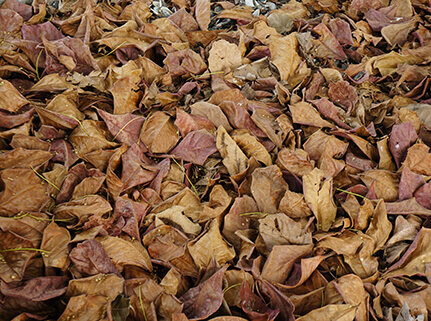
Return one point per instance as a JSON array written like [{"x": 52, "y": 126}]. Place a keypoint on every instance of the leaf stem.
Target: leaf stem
[
  {"x": 113, "y": 50},
  {"x": 142, "y": 303},
  {"x": 206, "y": 74},
  {"x": 37, "y": 64},
  {"x": 253, "y": 213},
  {"x": 20, "y": 216},
  {"x": 351, "y": 193},
  {"x": 122, "y": 128},
  {"x": 231, "y": 287},
  {"x": 25, "y": 249},
  {"x": 187, "y": 177},
  {"x": 45, "y": 179}
]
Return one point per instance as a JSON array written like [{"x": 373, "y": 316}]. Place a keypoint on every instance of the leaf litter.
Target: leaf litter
[{"x": 215, "y": 160}]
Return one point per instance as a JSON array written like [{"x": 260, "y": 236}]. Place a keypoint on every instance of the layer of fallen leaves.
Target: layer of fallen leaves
[{"x": 200, "y": 161}]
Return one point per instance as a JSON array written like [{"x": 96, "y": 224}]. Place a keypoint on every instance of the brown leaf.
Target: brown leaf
[
  {"x": 423, "y": 195},
  {"x": 202, "y": 13},
  {"x": 327, "y": 45},
  {"x": 224, "y": 56},
  {"x": 23, "y": 191},
  {"x": 174, "y": 215},
  {"x": 276, "y": 129},
  {"x": 344, "y": 94},
  {"x": 328, "y": 110},
  {"x": 414, "y": 259},
  {"x": 295, "y": 161},
  {"x": 385, "y": 159},
  {"x": 233, "y": 157},
  {"x": 418, "y": 159},
  {"x": 83, "y": 209},
  {"x": 353, "y": 292},
  {"x": 159, "y": 133},
  {"x": 62, "y": 112},
  {"x": 281, "y": 260},
  {"x": 10, "y": 98},
  {"x": 385, "y": 183},
  {"x": 108, "y": 285},
  {"x": 90, "y": 136},
  {"x": 210, "y": 246},
  {"x": 304, "y": 113},
  {"x": 12, "y": 120},
  {"x": 336, "y": 312},
  {"x": 406, "y": 207},
  {"x": 55, "y": 241},
  {"x": 136, "y": 170},
  {"x": 267, "y": 188},
  {"x": 35, "y": 289},
  {"x": 279, "y": 229},
  {"x": 217, "y": 205},
  {"x": 196, "y": 147},
  {"x": 85, "y": 307},
  {"x": 294, "y": 205},
  {"x": 212, "y": 112},
  {"x": 15, "y": 262},
  {"x": 124, "y": 252},
  {"x": 184, "y": 62},
  {"x": 187, "y": 123},
  {"x": 125, "y": 128},
  {"x": 22, "y": 158},
  {"x": 409, "y": 183},
  {"x": 380, "y": 228},
  {"x": 206, "y": 298},
  {"x": 251, "y": 146},
  {"x": 254, "y": 306},
  {"x": 89, "y": 258},
  {"x": 402, "y": 137},
  {"x": 234, "y": 221},
  {"x": 285, "y": 57},
  {"x": 319, "y": 199}
]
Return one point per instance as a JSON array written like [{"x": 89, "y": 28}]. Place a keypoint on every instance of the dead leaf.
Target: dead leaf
[
  {"x": 223, "y": 56},
  {"x": 210, "y": 246},
  {"x": 159, "y": 133},
  {"x": 233, "y": 157},
  {"x": 319, "y": 199}
]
